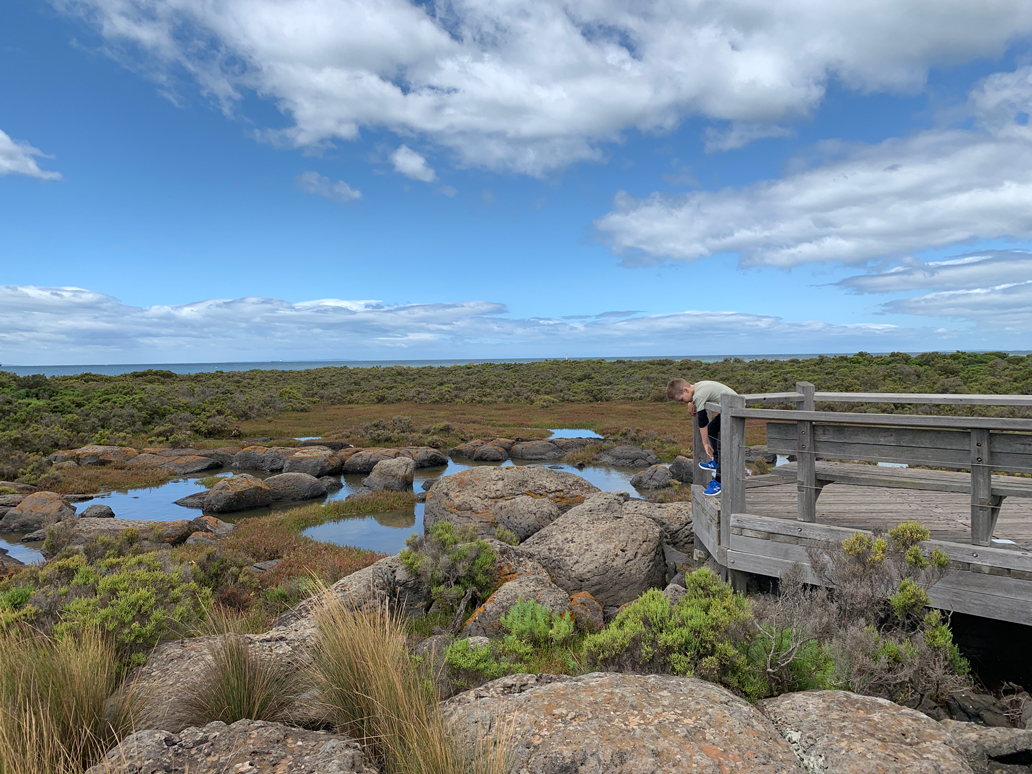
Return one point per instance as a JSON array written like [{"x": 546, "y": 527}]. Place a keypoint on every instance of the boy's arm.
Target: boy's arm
[{"x": 704, "y": 432}]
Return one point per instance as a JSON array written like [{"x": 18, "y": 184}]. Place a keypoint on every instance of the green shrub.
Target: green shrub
[
  {"x": 6, "y": 490},
  {"x": 704, "y": 636},
  {"x": 139, "y": 599},
  {"x": 453, "y": 563},
  {"x": 470, "y": 665}
]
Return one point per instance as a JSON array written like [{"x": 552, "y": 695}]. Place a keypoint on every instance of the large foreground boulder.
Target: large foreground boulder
[
  {"x": 395, "y": 475},
  {"x": 682, "y": 469},
  {"x": 295, "y": 486},
  {"x": 485, "y": 498},
  {"x": 252, "y": 746},
  {"x": 598, "y": 548},
  {"x": 238, "y": 493},
  {"x": 605, "y": 723},
  {"x": 37, "y": 510},
  {"x": 675, "y": 519},
  {"x": 983, "y": 747},
  {"x": 837, "y": 732}
]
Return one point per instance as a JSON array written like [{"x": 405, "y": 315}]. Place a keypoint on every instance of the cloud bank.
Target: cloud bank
[
  {"x": 533, "y": 85},
  {"x": 933, "y": 190},
  {"x": 320, "y": 185},
  {"x": 18, "y": 158},
  {"x": 73, "y": 325}
]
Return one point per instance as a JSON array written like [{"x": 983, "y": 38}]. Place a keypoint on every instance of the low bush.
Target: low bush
[
  {"x": 54, "y": 701},
  {"x": 454, "y": 564}
]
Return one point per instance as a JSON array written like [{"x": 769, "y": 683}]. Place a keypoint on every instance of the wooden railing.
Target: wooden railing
[{"x": 977, "y": 444}]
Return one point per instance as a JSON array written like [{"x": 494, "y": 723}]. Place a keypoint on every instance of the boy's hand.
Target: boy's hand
[
  {"x": 709, "y": 449},
  {"x": 691, "y": 409}
]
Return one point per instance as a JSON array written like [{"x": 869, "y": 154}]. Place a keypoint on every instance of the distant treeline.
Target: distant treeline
[{"x": 40, "y": 414}]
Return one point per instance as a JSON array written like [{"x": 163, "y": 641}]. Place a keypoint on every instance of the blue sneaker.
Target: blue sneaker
[
  {"x": 711, "y": 466},
  {"x": 712, "y": 489}
]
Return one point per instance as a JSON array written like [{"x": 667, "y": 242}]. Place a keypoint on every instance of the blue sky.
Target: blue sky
[{"x": 190, "y": 180}]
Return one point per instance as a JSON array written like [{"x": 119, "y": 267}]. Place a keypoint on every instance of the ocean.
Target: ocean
[{"x": 114, "y": 369}]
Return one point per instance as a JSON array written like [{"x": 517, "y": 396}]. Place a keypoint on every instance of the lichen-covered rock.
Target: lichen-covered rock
[
  {"x": 315, "y": 461},
  {"x": 269, "y": 459},
  {"x": 364, "y": 460},
  {"x": 653, "y": 477},
  {"x": 628, "y": 457},
  {"x": 78, "y": 532},
  {"x": 486, "y": 620},
  {"x": 597, "y": 548},
  {"x": 40, "y": 509},
  {"x": 97, "y": 511},
  {"x": 295, "y": 486},
  {"x": 487, "y": 450},
  {"x": 837, "y": 732},
  {"x": 490, "y": 453},
  {"x": 681, "y": 469},
  {"x": 606, "y": 723},
  {"x": 252, "y": 746},
  {"x": 425, "y": 456},
  {"x": 980, "y": 744},
  {"x": 395, "y": 475},
  {"x": 238, "y": 493},
  {"x": 511, "y": 563},
  {"x": 478, "y": 496},
  {"x": 535, "y": 450},
  {"x": 525, "y": 515},
  {"x": 182, "y": 465},
  {"x": 587, "y": 612},
  {"x": 675, "y": 519},
  {"x": 96, "y": 454}
]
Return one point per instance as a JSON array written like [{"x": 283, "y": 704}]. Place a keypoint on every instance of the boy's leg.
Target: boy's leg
[{"x": 714, "y": 438}]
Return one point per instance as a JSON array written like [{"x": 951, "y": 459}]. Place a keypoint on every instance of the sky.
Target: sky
[{"x": 246, "y": 180}]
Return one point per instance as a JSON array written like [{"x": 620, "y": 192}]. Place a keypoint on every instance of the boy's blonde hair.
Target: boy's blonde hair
[{"x": 675, "y": 387}]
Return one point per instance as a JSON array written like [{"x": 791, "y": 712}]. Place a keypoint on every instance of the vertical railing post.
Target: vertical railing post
[
  {"x": 701, "y": 553},
  {"x": 732, "y": 464},
  {"x": 982, "y": 511},
  {"x": 806, "y": 459}
]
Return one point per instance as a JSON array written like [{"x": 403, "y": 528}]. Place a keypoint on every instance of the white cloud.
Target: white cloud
[
  {"x": 1001, "y": 309},
  {"x": 16, "y": 158},
  {"x": 975, "y": 270},
  {"x": 935, "y": 189},
  {"x": 313, "y": 182},
  {"x": 54, "y": 325},
  {"x": 532, "y": 85},
  {"x": 410, "y": 164}
]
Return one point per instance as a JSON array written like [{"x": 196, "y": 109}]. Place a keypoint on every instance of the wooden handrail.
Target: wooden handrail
[{"x": 896, "y": 420}]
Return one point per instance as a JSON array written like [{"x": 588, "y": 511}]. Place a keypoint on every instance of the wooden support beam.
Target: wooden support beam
[
  {"x": 894, "y": 420},
  {"x": 982, "y": 520},
  {"x": 732, "y": 464},
  {"x": 806, "y": 469}
]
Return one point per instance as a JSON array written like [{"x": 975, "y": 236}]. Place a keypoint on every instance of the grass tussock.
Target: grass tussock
[
  {"x": 56, "y": 717},
  {"x": 370, "y": 688},
  {"x": 87, "y": 479},
  {"x": 237, "y": 681}
]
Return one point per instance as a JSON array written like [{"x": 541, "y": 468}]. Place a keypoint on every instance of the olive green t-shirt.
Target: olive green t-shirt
[{"x": 709, "y": 392}]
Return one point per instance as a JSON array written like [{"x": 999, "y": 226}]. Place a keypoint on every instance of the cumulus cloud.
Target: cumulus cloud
[
  {"x": 53, "y": 325},
  {"x": 933, "y": 190},
  {"x": 17, "y": 158},
  {"x": 411, "y": 164},
  {"x": 314, "y": 183},
  {"x": 974, "y": 270},
  {"x": 532, "y": 85}
]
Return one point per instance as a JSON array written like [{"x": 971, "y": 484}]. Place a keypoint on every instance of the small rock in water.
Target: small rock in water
[{"x": 97, "y": 512}]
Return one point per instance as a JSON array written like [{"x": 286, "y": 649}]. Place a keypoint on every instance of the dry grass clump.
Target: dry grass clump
[
  {"x": 369, "y": 687},
  {"x": 55, "y": 717},
  {"x": 238, "y": 682}
]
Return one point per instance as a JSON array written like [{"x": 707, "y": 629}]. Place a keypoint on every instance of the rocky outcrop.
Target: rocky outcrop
[
  {"x": 653, "y": 477},
  {"x": 364, "y": 460},
  {"x": 587, "y": 612},
  {"x": 624, "y": 724},
  {"x": 597, "y": 548},
  {"x": 94, "y": 454},
  {"x": 536, "y": 451},
  {"x": 295, "y": 486},
  {"x": 486, "y": 620},
  {"x": 483, "y": 450},
  {"x": 78, "y": 532},
  {"x": 238, "y": 493},
  {"x": 315, "y": 461},
  {"x": 480, "y": 497},
  {"x": 984, "y": 748},
  {"x": 334, "y": 445},
  {"x": 269, "y": 459},
  {"x": 681, "y": 469},
  {"x": 395, "y": 475},
  {"x": 675, "y": 519},
  {"x": 37, "y": 510},
  {"x": 245, "y": 746},
  {"x": 181, "y": 465},
  {"x": 837, "y": 732},
  {"x": 628, "y": 457}
]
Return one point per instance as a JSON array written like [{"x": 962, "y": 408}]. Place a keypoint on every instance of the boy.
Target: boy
[{"x": 697, "y": 396}]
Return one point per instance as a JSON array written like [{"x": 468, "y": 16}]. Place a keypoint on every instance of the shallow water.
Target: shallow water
[{"x": 382, "y": 532}]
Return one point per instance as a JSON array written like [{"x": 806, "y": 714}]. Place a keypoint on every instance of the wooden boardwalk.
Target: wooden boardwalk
[{"x": 947, "y": 515}]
